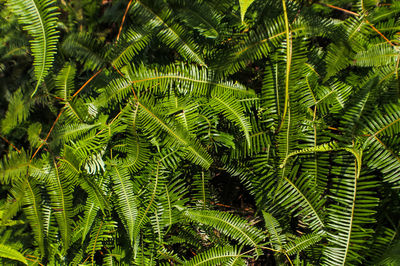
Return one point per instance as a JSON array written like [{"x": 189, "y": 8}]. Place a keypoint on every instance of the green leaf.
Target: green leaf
[
  {"x": 231, "y": 225},
  {"x": 127, "y": 202},
  {"x": 39, "y": 19},
  {"x": 233, "y": 111},
  {"x": 278, "y": 239},
  {"x": 244, "y": 5},
  {"x": 10, "y": 253},
  {"x": 214, "y": 256},
  {"x": 301, "y": 243}
]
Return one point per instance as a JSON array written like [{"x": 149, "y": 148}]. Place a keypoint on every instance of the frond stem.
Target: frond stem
[
  {"x": 278, "y": 251},
  {"x": 288, "y": 63},
  {"x": 9, "y": 143},
  {"x": 358, "y": 15},
  {"x": 95, "y": 241},
  {"x": 387, "y": 126},
  {"x": 341, "y": 9},
  {"x": 48, "y": 134},
  {"x": 123, "y": 19},
  {"x": 86, "y": 83},
  {"x": 119, "y": 72},
  {"x": 36, "y": 260}
]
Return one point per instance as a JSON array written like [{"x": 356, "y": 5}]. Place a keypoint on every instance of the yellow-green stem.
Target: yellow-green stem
[{"x": 288, "y": 63}]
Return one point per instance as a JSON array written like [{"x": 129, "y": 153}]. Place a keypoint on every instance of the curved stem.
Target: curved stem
[{"x": 288, "y": 63}]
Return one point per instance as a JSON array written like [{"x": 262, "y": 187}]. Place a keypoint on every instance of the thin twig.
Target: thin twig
[
  {"x": 95, "y": 241},
  {"x": 358, "y": 15},
  {"x": 86, "y": 83},
  {"x": 9, "y": 143},
  {"x": 341, "y": 9},
  {"x": 279, "y": 251},
  {"x": 48, "y": 134},
  {"x": 123, "y": 19},
  {"x": 288, "y": 63},
  {"x": 36, "y": 259},
  {"x": 62, "y": 110},
  {"x": 134, "y": 94},
  {"x": 287, "y": 256},
  {"x": 119, "y": 72},
  {"x": 383, "y": 36}
]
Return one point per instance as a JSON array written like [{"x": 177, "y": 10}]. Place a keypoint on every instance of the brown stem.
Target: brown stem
[
  {"x": 341, "y": 9},
  {"x": 9, "y": 143},
  {"x": 86, "y": 83},
  {"x": 357, "y": 15},
  {"x": 48, "y": 134},
  {"x": 123, "y": 19}
]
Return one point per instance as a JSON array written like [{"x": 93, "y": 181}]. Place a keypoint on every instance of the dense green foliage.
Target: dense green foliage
[{"x": 199, "y": 132}]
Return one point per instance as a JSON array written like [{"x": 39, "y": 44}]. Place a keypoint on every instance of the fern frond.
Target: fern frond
[
  {"x": 383, "y": 241},
  {"x": 65, "y": 81},
  {"x": 33, "y": 211},
  {"x": 332, "y": 98},
  {"x": 300, "y": 197},
  {"x": 214, "y": 256},
  {"x": 101, "y": 232},
  {"x": 200, "y": 187},
  {"x": 202, "y": 17},
  {"x": 39, "y": 18},
  {"x": 14, "y": 167},
  {"x": 60, "y": 190},
  {"x": 382, "y": 126},
  {"x": 231, "y": 225},
  {"x": 155, "y": 188},
  {"x": 86, "y": 49},
  {"x": 376, "y": 56},
  {"x": 172, "y": 34},
  {"x": 127, "y": 202},
  {"x": 301, "y": 243},
  {"x": 277, "y": 238},
  {"x": 190, "y": 80},
  {"x": 352, "y": 209},
  {"x": 17, "y": 112},
  {"x": 131, "y": 43},
  {"x": 153, "y": 123},
  {"x": 257, "y": 44},
  {"x": 10, "y": 253},
  {"x": 233, "y": 111}
]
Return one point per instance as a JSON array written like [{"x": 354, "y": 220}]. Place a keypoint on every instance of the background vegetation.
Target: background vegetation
[{"x": 199, "y": 132}]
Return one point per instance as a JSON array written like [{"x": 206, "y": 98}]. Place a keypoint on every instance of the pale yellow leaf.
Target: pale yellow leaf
[{"x": 244, "y": 4}]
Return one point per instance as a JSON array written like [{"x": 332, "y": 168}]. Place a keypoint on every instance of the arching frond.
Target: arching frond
[
  {"x": 10, "y": 253},
  {"x": 100, "y": 233},
  {"x": 33, "y": 210},
  {"x": 228, "y": 224},
  {"x": 86, "y": 49},
  {"x": 39, "y": 18},
  {"x": 301, "y": 243},
  {"x": 17, "y": 112},
  {"x": 65, "y": 81},
  {"x": 170, "y": 33},
  {"x": 301, "y": 198},
  {"x": 188, "y": 80},
  {"x": 132, "y": 42},
  {"x": 155, "y": 124},
  {"x": 233, "y": 111},
  {"x": 214, "y": 256},
  {"x": 277, "y": 238},
  {"x": 352, "y": 208},
  {"x": 384, "y": 157},
  {"x": 14, "y": 167},
  {"x": 60, "y": 190},
  {"x": 128, "y": 206}
]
